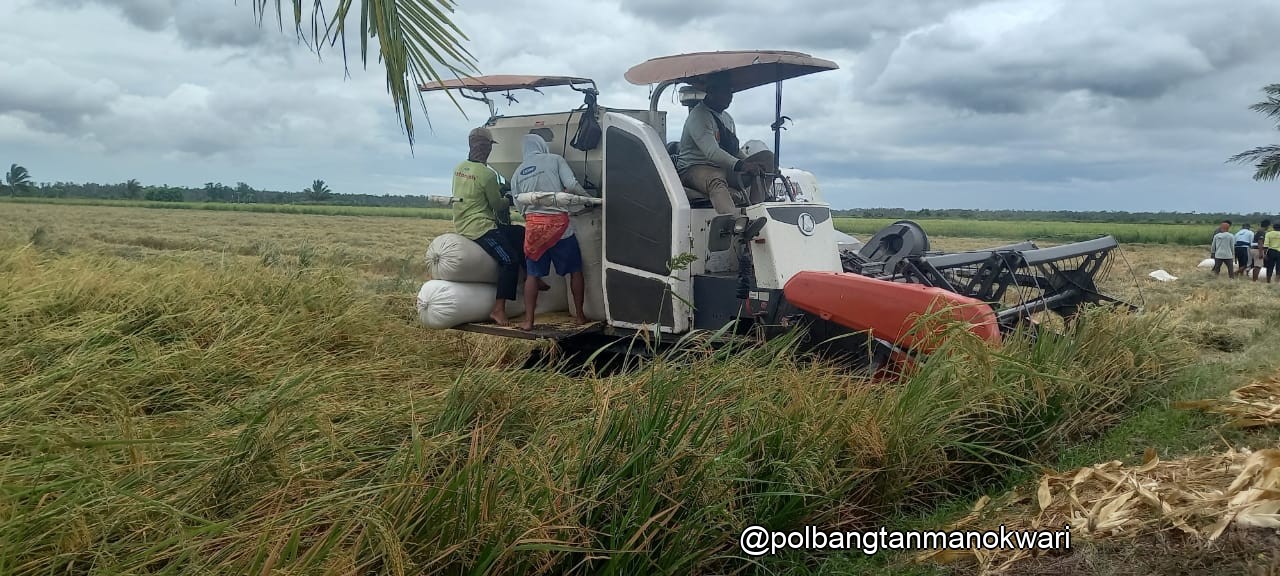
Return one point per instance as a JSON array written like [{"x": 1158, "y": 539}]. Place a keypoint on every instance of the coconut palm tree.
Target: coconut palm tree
[
  {"x": 18, "y": 179},
  {"x": 132, "y": 188},
  {"x": 1266, "y": 159},
  {"x": 319, "y": 191},
  {"x": 416, "y": 41}
]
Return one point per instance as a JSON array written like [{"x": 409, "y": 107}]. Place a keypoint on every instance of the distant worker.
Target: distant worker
[
  {"x": 549, "y": 235},
  {"x": 1260, "y": 251},
  {"x": 1272, "y": 246},
  {"x": 482, "y": 214},
  {"x": 1244, "y": 248},
  {"x": 711, "y": 161},
  {"x": 1223, "y": 250}
]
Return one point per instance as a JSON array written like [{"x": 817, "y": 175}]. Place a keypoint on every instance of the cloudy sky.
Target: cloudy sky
[{"x": 1035, "y": 104}]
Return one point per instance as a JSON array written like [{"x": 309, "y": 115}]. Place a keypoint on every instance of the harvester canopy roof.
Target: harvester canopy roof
[
  {"x": 503, "y": 83},
  {"x": 743, "y": 69}
]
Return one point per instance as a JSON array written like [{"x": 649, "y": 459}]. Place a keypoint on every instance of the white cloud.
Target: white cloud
[{"x": 1032, "y": 103}]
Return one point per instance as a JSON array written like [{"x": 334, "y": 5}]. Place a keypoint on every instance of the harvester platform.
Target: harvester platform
[{"x": 555, "y": 329}]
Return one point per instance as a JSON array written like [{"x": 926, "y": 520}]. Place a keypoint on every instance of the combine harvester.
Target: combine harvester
[{"x": 665, "y": 264}]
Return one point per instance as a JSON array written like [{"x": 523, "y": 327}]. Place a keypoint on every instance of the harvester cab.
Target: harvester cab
[
  {"x": 663, "y": 261},
  {"x": 740, "y": 263}
]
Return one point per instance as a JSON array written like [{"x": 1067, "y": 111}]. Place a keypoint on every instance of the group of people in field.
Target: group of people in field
[{"x": 1247, "y": 250}]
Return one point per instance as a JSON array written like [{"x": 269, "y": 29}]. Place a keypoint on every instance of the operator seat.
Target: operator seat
[{"x": 696, "y": 199}]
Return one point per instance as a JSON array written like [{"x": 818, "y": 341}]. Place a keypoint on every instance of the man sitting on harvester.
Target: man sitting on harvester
[
  {"x": 711, "y": 161},
  {"x": 549, "y": 236}
]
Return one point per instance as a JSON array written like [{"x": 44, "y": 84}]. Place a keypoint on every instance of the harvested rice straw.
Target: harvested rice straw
[
  {"x": 1198, "y": 496},
  {"x": 1250, "y": 406}
]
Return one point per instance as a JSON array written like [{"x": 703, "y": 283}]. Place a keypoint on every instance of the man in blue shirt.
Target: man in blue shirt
[
  {"x": 1244, "y": 243},
  {"x": 549, "y": 236}
]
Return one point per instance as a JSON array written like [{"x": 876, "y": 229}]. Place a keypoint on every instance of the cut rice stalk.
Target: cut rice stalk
[{"x": 1199, "y": 496}]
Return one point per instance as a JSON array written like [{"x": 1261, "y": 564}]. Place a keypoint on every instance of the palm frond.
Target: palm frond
[
  {"x": 1271, "y": 106},
  {"x": 1268, "y": 169},
  {"x": 1266, "y": 160},
  {"x": 17, "y": 176},
  {"x": 1270, "y": 109},
  {"x": 417, "y": 42}
]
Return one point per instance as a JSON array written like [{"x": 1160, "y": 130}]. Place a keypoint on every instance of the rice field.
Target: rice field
[
  {"x": 1133, "y": 233},
  {"x": 313, "y": 209},
  {"x": 229, "y": 393}
]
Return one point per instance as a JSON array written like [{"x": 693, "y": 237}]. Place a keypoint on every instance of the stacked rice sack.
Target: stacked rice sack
[{"x": 463, "y": 286}]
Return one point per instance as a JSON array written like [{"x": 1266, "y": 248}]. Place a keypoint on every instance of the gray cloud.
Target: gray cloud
[
  {"x": 199, "y": 24},
  {"x": 203, "y": 25},
  {"x": 152, "y": 15},
  {"x": 47, "y": 97},
  {"x": 1010, "y": 57},
  {"x": 675, "y": 12},
  {"x": 1034, "y": 103},
  {"x": 148, "y": 14},
  {"x": 804, "y": 25}
]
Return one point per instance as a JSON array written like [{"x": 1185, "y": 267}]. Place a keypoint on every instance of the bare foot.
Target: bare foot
[
  {"x": 526, "y": 326},
  {"x": 499, "y": 319},
  {"x": 580, "y": 320}
]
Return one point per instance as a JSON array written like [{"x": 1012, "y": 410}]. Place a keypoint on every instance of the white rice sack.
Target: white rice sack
[
  {"x": 587, "y": 227},
  {"x": 1206, "y": 263},
  {"x": 1162, "y": 276},
  {"x": 444, "y": 304},
  {"x": 455, "y": 258},
  {"x": 562, "y": 200}
]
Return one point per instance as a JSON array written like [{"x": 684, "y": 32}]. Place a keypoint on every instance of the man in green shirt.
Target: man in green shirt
[
  {"x": 482, "y": 214},
  {"x": 1272, "y": 246}
]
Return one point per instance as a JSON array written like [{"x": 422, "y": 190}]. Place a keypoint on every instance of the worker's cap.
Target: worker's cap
[{"x": 480, "y": 136}]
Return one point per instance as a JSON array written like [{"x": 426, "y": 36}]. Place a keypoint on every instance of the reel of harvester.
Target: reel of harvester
[{"x": 1019, "y": 281}]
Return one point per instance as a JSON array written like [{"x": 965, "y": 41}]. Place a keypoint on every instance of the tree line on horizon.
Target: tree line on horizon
[{"x": 18, "y": 183}]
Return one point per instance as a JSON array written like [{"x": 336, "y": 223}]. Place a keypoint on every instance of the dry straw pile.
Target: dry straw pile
[
  {"x": 1252, "y": 406},
  {"x": 1198, "y": 496}
]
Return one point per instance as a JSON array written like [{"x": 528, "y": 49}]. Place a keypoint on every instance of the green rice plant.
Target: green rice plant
[
  {"x": 188, "y": 416},
  {"x": 973, "y": 413}
]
